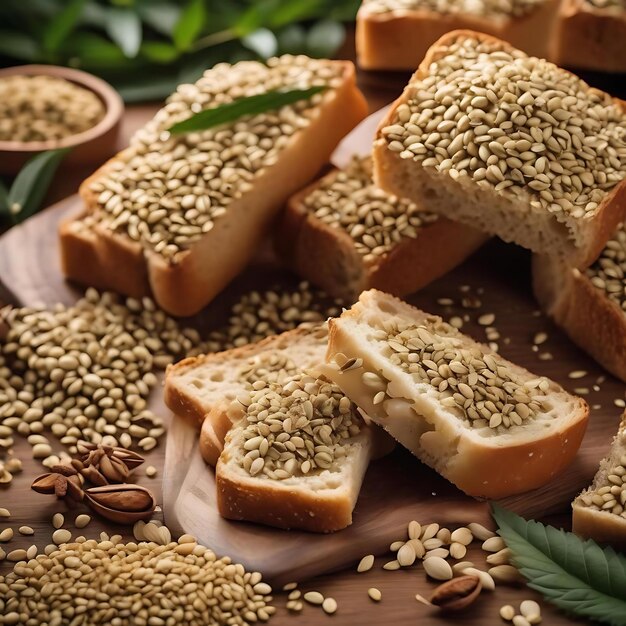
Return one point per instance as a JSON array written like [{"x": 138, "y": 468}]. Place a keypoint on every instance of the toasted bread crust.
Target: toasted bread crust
[
  {"x": 186, "y": 285},
  {"x": 592, "y": 321},
  {"x": 599, "y": 526},
  {"x": 327, "y": 257},
  {"x": 399, "y": 40},
  {"x": 392, "y": 173}
]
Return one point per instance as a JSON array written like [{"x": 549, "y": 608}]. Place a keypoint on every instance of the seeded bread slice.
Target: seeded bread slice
[
  {"x": 92, "y": 253},
  {"x": 482, "y": 460},
  {"x": 341, "y": 264},
  {"x": 321, "y": 500},
  {"x": 398, "y": 39},
  {"x": 592, "y": 320},
  {"x": 590, "y": 37},
  {"x": 461, "y": 183},
  {"x": 589, "y": 520}
]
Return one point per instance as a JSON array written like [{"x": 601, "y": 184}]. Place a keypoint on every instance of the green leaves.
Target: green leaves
[
  {"x": 124, "y": 27},
  {"x": 62, "y": 25},
  {"x": 190, "y": 24},
  {"x": 324, "y": 38},
  {"x": 251, "y": 105},
  {"x": 577, "y": 576},
  {"x": 31, "y": 184}
]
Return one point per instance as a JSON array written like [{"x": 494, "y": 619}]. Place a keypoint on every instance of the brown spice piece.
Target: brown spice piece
[{"x": 456, "y": 594}]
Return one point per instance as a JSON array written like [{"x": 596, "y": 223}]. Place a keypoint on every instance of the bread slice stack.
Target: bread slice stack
[
  {"x": 179, "y": 216},
  {"x": 296, "y": 459},
  {"x": 599, "y": 512},
  {"x": 200, "y": 389},
  {"x": 513, "y": 145},
  {"x": 346, "y": 235},
  {"x": 396, "y": 34},
  {"x": 487, "y": 425},
  {"x": 589, "y": 304}
]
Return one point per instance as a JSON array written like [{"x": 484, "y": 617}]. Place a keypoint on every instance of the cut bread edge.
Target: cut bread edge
[
  {"x": 601, "y": 526},
  {"x": 472, "y": 463},
  {"x": 464, "y": 201},
  {"x": 186, "y": 285},
  {"x": 591, "y": 320}
]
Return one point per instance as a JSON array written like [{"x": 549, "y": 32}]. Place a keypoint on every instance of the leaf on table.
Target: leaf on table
[
  {"x": 262, "y": 41},
  {"x": 324, "y": 38},
  {"x": 32, "y": 183},
  {"x": 575, "y": 575},
  {"x": 61, "y": 25},
  {"x": 159, "y": 52},
  {"x": 251, "y": 105},
  {"x": 18, "y": 46},
  {"x": 190, "y": 24},
  {"x": 160, "y": 16},
  {"x": 123, "y": 26}
]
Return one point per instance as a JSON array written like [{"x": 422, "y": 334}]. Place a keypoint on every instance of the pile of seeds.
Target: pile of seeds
[
  {"x": 260, "y": 314},
  {"x": 377, "y": 221},
  {"x": 480, "y": 388},
  {"x": 109, "y": 582},
  {"x": 489, "y": 8},
  {"x": 85, "y": 371},
  {"x": 611, "y": 497},
  {"x": 609, "y": 271},
  {"x": 45, "y": 108},
  {"x": 273, "y": 367},
  {"x": 516, "y": 124},
  {"x": 171, "y": 189},
  {"x": 296, "y": 428}
]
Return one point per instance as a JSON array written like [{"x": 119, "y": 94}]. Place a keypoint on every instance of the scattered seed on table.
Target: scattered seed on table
[
  {"x": 487, "y": 319},
  {"x": 391, "y": 565},
  {"x": 82, "y": 520},
  {"x": 577, "y": 374},
  {"x": 329, "y": 605},
  {"x": 365, "y": 564},
  {"x": 313, "y": 597},
  {"x": 5, "y": 512},
  {"x": 151, "y": 471},
  {"x": 6, "y": 535},
  {"x": 289, "y": 586},
  {"x": 437, "y": 568},
  {"x": 480, "y": 532},
  {"x": 26, "y": 530},
  {"x": 375, "y": 594},
  {"x": 61, "y": 536},
  {"x": 507, "y": 612},
  {"x": 58, "y": 520},
  {"x": 493, "y": 544}
]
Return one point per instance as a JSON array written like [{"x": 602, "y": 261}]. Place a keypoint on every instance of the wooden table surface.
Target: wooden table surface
[{"x": 347, "y": 587}]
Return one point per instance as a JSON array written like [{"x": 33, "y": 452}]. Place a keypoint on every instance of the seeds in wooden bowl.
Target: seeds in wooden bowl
[
  {"x": 485, "y": 8},
  {"x": 45, "y": 108}
]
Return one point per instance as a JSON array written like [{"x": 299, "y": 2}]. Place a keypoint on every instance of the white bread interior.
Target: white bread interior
[{"x": 472, "y": 458}]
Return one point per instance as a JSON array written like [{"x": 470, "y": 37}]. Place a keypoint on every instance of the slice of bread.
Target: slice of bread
[
  {"x": 599, "y": 512},
  {"x": 179, "y": 216},
  {"x": 589, "y": 305},
  {"x": 487, "y": 425},
  {"x": 396, "y": 34},
  {"x": 592, "y": 35},
  {"x": 299, "y": 463},
  {"x": 346, "y": 235},
  {"x": 510, "y": 144}
]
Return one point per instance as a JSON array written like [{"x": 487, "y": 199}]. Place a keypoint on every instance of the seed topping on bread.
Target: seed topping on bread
[
  {"x": 172, "y": 188},
  {"x": 513, "y": 8},
  {"x": 611, "y": 497},
  {"x": 513, "y": 123},
  {"x": 376, "y": 221},
  {"x": 296, "y": 428},
  {"x": 274, "y": 367},
  {"x": 607, "y": 273}
]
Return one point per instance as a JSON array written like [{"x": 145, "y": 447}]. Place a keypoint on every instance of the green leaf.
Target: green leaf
[
  {"x": 4, "y": 198},
  {"x": 58, "y": 29},
  {"x": 261, "y": 41},
  {"x": 292, "y": 40},
  {"x": 123, "y": 26},
  {"x": 325, "y": 38},
  {"x": 18, "y": 46},
  {"x": 289, "y": 11},
  {"x": 257, "y": 15},
  {"x": 251, "y": 105},
  {"x": 190, "y": 24},
  {"x": 32, "y": 182},
  {"x": 577, "y": 576},
  {"x": 159, "y": 52},
  {"x": 90, "y": 51},
  {"x": 147, "y": 88},
  {"x": 162, "y": 17}
]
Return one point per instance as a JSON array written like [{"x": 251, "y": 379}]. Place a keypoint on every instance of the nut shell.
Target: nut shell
[{"x": 456, "y": 594}]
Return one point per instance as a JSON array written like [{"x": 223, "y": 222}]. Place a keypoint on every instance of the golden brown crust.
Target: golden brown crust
[
  {"x": 392, "y": 173},
  {"x": 400, "y": 40},
  {"x": 599, "y": 526},
  {"x": 184, "y": 287},
  {"x": 327, "y": 256},
  {"x": 592, "y": 321},
  {"x": 590, "y": 38}
]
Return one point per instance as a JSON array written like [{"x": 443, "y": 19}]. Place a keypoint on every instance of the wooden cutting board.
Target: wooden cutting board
[{"x": 397, "y": 488}]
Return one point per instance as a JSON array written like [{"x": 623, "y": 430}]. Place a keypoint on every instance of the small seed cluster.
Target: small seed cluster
[
  {"x": 172, "y": 188},
  {"x": 273, "y": 367},
  {"x": 296, "y": 428},
  {"x": 9, "y": 466},
  {"x": 376, "y": 221},
  {"x": 609, "y": 271},
  {"x": 85, "y": 372},
  {"x": 529, "y": 613},
  {"x": 45, "y": 108},
  {"x": 109, "y": 582},
  {"x": 611, "y": 497},
  {"x": 488, "y": 8},
  {"x": 516, "y": 124},
  {"x": 260, "y": 314}
]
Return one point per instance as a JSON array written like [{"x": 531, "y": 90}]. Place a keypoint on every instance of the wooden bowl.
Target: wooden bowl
[{"x": 94, "y": 145}]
